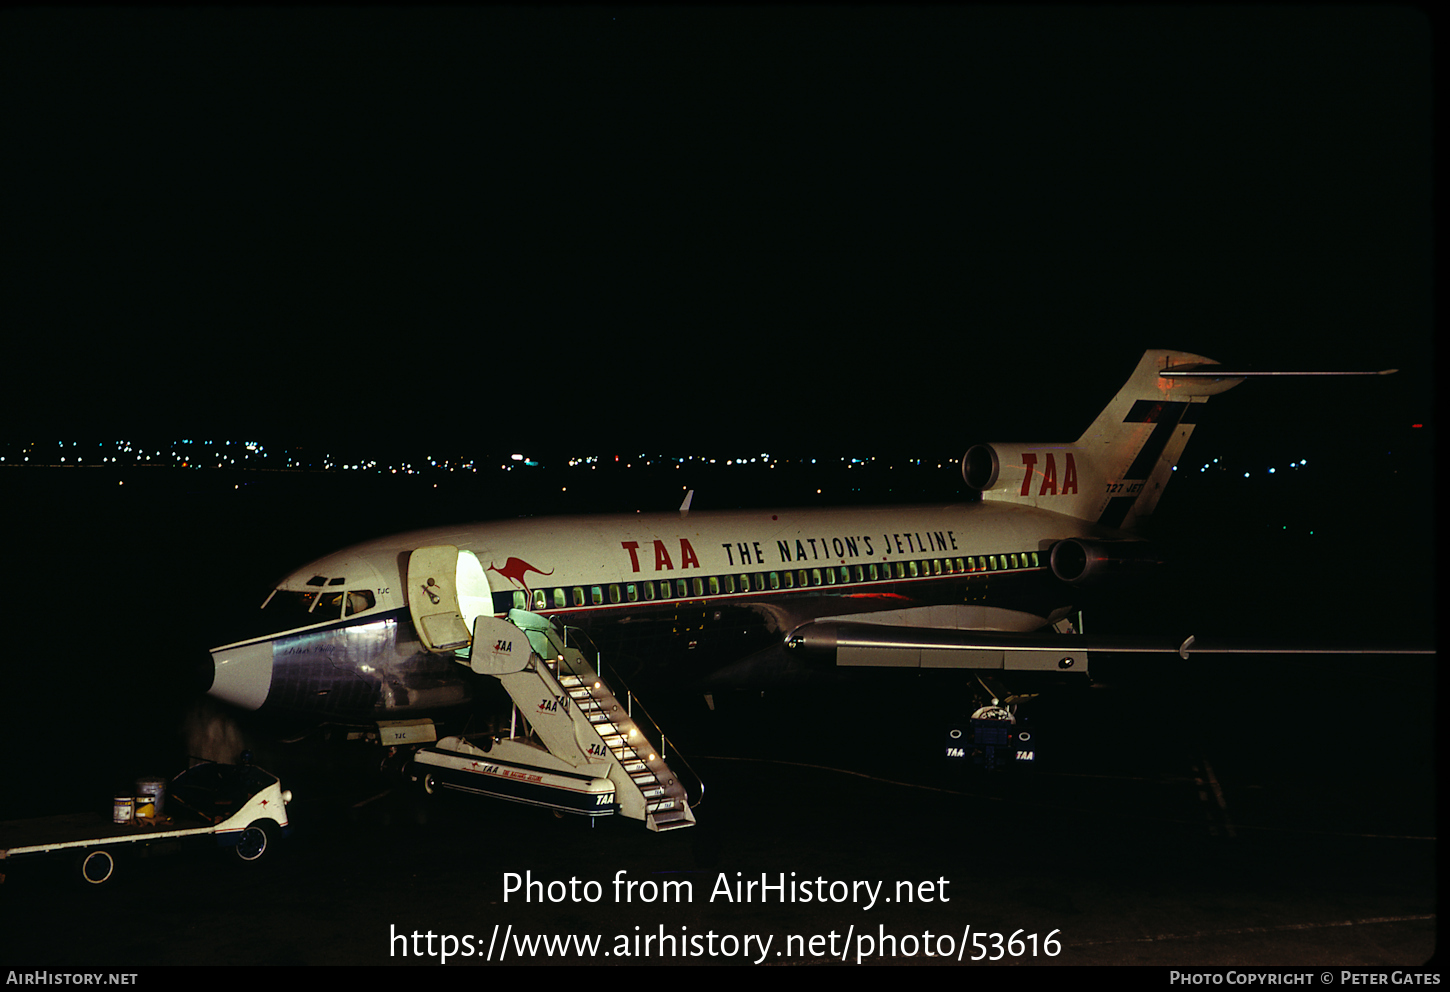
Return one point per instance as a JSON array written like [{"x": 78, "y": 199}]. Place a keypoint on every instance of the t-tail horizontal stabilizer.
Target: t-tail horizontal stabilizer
[
  {"x": 1212, "y": 371},
  {"x": 1114, "y": 474}
]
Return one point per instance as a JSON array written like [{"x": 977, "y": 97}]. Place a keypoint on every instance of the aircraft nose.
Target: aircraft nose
[
  {"x": 242, "y": 675},
  {"x": 203, "y": 673}
]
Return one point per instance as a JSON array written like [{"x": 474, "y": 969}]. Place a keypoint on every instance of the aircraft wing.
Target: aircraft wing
[{"x": 849, "y": 643}]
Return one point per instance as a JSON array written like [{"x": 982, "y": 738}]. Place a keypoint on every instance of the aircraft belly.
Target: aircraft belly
[
  {"x": 730, "y": 641},
  {"x": 688, "y": 643}
]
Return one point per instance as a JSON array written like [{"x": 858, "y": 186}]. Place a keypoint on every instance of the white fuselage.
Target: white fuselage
[{"x": 735, "y": 582}]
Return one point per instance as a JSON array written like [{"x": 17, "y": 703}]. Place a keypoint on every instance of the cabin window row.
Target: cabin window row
[{"x": 698, "y": 587}]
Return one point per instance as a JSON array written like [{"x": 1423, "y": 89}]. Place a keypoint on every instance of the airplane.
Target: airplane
[{"x": 393, "y": 635}]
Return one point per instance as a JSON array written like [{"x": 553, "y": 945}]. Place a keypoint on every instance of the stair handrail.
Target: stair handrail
[{"x": 590, "y": 653}]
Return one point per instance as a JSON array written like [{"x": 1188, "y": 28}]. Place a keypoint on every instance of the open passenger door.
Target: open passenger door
[{"x": 433, "y": 598}]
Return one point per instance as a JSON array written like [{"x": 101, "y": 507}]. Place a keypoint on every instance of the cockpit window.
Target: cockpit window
[
  {"x": 302, "y": 608},
  {"x": 298, "y": 609},
  {"x": 358, "y": 600}
]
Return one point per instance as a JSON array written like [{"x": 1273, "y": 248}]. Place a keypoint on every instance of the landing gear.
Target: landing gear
[{"x": 996, "y": 735}]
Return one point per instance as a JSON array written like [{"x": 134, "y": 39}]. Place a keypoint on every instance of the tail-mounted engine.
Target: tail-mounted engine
[
  {"x": 1083, "y": 562},
  {"x": 1048, "y": 475},
  {"x": 981, "y": 467}
]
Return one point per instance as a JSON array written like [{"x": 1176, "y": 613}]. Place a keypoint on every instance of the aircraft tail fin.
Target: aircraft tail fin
[{"x": 1115, "y": 473}]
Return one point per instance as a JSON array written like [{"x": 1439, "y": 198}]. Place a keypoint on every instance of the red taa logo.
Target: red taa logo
[
  {"x": 1049, "y": 476},
  {"x": 688, "y": 558},
  {"x": 515, "y": 569}
]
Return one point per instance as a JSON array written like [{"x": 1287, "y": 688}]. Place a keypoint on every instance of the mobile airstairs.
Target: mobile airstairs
[{"x": 595, "y": 758}]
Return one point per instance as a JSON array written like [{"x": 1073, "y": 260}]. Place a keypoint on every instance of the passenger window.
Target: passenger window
[
  {"x": 558, "y": 599},
  {"x": 911, "y": 569},
  {"x": 649, "y": 591},
  {"x": 614, "y": 592},
  {"x": 860, "y": 574},
  {"x": 744, "y": 583},
  {"x": 359, "y": 600},
  {"x": 541, "y": 599},
  {"x": 699, "y": 586},
  {"x": 521, "y": 600},
  {"x": 680, "y": 588},
  {"x": 830, "y": 576},
  {"x": 871, "y": 571},
  {"x": 631, "y": 592},
  {"x": 714, "y": 585},
  {"x": 596, "y": 596},
  {"x": 729, "y": 583},
  {"x": 578, "y": 595},
  {"x": 815, "y": 576}
]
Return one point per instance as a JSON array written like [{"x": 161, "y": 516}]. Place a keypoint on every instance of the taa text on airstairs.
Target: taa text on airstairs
[{"x": 588, "y": 752}]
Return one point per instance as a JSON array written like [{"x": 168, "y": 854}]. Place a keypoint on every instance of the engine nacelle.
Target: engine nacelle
[
  {"x": 1082, "y": 562},
  {"x": 982, "y": 466},
  {"x": 1026, "y": 472}
]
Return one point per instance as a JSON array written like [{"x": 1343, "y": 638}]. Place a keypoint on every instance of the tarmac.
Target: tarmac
[{"x": 1167, "y": 823}]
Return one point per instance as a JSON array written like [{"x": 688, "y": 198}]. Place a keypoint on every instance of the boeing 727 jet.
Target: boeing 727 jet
[{"x": 393, "y": 635}]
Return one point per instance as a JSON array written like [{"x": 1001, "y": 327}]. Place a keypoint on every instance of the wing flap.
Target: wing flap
[
  {"x": 852, "y": 644},
  {"x": 873, "y": 645}
]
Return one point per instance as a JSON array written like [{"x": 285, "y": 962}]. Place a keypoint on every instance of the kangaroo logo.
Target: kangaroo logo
[{"x": 515, "y": 569}]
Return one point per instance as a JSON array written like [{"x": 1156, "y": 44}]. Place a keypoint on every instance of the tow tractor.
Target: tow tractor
[{"x": 240, "y": 808}]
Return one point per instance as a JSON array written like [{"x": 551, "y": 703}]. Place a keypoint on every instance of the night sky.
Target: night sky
[{"x": 684, "y": 229}]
